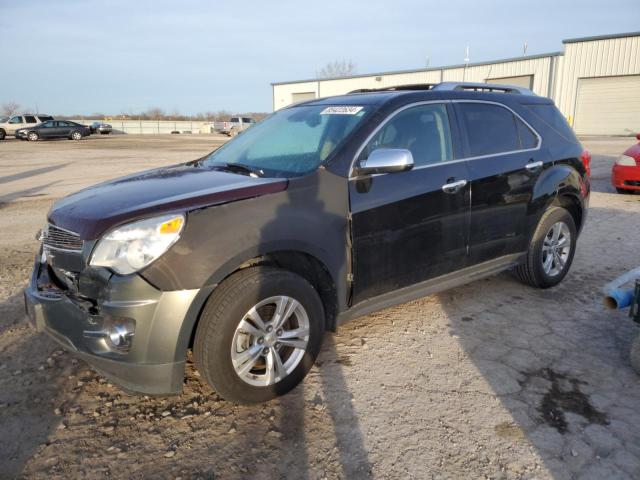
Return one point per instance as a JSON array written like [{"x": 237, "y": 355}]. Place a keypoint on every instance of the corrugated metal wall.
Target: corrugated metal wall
[
  {"x": 594, "y": 58},
  {"x": 537, "y": 67},
  {"x": 554, "y": 75}
]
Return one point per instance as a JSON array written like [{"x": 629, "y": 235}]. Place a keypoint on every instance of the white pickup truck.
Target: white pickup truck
[{"x": 234, "y": 126}]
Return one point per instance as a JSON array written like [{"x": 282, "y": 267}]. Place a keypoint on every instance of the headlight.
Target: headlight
[
  {"x": 626, "y": 161},
  {"x": 131, "y": 247}
]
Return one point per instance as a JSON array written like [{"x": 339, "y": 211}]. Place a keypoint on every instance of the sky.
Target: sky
[{"x": 85, "y": 56}]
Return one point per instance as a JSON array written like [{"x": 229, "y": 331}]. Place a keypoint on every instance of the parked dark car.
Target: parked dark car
[
  {"x": 54, "y": 129},
  {"x": 325, "y": 211},
  {"x": 101, "y": 128}
]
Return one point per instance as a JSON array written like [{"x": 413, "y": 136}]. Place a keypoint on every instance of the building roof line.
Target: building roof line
[
  {"x": 601, "y": 37},
  {"x": 431, "y": 69}
]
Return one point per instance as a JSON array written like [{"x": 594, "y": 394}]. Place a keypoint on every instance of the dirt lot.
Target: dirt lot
[{"x": 490, "y": 380}]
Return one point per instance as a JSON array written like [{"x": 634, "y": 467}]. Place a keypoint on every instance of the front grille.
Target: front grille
[{"x": 57, "y": 238}]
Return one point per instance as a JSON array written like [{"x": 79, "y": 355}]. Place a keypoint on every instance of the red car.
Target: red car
[{"x": 625, "y": 175}]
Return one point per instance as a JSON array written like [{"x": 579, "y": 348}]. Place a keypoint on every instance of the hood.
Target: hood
[{"x": 94, "y": 210}]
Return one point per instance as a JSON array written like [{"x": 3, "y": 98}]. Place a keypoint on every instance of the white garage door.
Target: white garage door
[
  {"x": 302, "y": 96},
  {"x": 525, "y": 81},
  {"x": 608, "y": 106}
]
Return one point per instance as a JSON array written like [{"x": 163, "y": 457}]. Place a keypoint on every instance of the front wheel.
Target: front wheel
[
  {"x": 259, "y": 334},
  {"x": 2, "y": 134},
  {"x": 76, "y": 136},
  {"x": 32, "y": 136},
  {"x": 623, "y": 191},
  {"x": 551, "y": 250}
]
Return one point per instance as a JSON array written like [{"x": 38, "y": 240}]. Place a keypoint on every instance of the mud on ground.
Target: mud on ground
[{"x": 490, "y": 380}]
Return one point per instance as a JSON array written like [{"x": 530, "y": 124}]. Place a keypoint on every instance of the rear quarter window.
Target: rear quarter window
[{"x": 552, "y": 117}]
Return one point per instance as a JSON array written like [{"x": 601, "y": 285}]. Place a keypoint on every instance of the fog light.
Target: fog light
[{"x": 120, "y": 332}]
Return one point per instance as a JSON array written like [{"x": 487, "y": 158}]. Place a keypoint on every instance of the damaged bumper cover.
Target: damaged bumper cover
[{"x": 151, "y": 362}]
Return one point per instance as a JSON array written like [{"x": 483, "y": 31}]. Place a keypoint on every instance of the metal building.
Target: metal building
[{"x": 595, "y": 81}]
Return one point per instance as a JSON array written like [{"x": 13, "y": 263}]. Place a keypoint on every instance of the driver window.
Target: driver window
[
  {"x": 15, "y": 120},
  {"x": 424, "y": 130}
]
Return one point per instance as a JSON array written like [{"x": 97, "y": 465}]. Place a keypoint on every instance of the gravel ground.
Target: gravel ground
[{"x": 490, "y": 380}]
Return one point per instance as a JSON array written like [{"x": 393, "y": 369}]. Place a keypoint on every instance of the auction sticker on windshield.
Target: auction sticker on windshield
[{"x": 341, "y": 110}]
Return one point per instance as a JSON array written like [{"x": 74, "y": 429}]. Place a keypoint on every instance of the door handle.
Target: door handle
[
  {"x": 533, "y": 166},
  {"x": 453, "y": 187}
]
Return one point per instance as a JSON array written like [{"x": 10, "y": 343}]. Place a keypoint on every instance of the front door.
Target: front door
[
  {"x": 410, "y": 226},
  {"x": 505, "y": 161}
]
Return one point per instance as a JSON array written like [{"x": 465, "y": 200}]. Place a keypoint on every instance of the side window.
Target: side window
[
  {"x": 15, "y": 120},
  {"x": 30, "y": 119},
  {"x": 490, "y": 128},
  {"x": 62, "y": 124},
  {"x": 528, "y": 139},
  {"x": 424, "y": 130}
]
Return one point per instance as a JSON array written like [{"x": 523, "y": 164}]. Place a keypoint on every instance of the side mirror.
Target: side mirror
[
  {"x": 638, "y": 136},
  {"x": 386, "y": 160}
]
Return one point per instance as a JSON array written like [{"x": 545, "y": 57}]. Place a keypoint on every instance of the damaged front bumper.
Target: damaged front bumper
[{"x": 130, "y": 332}]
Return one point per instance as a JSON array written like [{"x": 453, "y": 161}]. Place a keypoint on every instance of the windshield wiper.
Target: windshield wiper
[{"x": 241, "y": 168}]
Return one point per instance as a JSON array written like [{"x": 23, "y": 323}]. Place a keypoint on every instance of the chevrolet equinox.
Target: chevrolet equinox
[{"x": 325, "y": 211}]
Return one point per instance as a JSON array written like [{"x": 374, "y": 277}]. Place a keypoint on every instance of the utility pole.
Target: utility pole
[
  {"x": 466, "y": 63},
  {"x": 524, "y": 49}
]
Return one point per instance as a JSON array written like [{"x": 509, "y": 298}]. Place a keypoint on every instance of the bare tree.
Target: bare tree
[
  {"x": 154, "y": 113},
  {"x": 337, "y": 68},
  {"x": 9, "y": 108}
]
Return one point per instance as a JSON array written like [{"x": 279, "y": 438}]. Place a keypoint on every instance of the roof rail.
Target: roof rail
[
  {"x": 451, "y": 86},
  {"x": 415, "y": 86},
  {"x": 482, "y": 87}
]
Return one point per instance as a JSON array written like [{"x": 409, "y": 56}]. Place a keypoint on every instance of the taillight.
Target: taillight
[{"x": 586, "y": 161}]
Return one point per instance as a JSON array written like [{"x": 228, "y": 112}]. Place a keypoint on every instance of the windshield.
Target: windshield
[{"x": 291, "y": 142}]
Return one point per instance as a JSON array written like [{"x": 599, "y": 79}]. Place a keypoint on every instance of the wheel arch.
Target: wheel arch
[{"x": 300, "y": 262}]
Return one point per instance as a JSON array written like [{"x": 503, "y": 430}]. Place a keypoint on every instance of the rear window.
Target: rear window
[{"x": 551, "y": 116}]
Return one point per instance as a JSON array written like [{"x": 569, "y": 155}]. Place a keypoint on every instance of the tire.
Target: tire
[
  {"x": 624, "y": 191},
  {"x": 3, "y": 134},
  {"x": 532, "y": 271},
  {"x": 219, "y": 336},
  {"x": 75, "y": 135},
  {"x": 634, "y": 354},
  {"x": 32, "y": 136},
  {"x": 233, "y": 133}
]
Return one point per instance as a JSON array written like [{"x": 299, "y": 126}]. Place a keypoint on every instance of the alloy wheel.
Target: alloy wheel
[
  {"x": 556, "y": 248},
  {"x": 270, "y": 341}
]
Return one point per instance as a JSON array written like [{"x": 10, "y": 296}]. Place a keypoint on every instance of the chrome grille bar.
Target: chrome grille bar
[{"x": 56, "y": 238}]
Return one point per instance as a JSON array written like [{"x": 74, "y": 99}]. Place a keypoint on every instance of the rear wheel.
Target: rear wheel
[
  {"x": 76, "y": 136},
  {"x": 259, "y": 334},
  {"x": 551, "y": 250},
  {"x": 32, "y": 136}
]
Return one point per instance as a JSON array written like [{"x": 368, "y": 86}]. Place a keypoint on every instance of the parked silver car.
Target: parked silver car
[{"x": 101, "y": 128}]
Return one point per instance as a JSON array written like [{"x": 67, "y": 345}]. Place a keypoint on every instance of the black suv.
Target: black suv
[{"x": 325, "y": 211}]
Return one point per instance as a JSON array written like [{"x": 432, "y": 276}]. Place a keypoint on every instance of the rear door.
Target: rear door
[
  {"x": 505, "y": 159},
  {"x": 410, "y": 226},
  {"x": 62, "y": 129}
]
